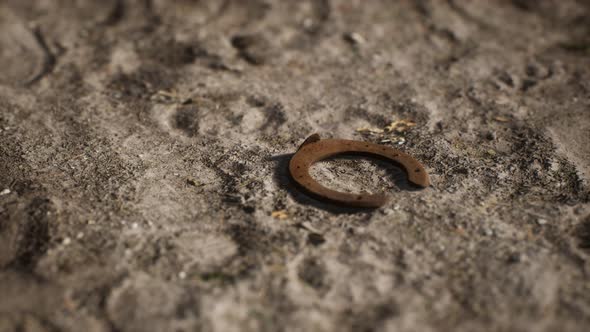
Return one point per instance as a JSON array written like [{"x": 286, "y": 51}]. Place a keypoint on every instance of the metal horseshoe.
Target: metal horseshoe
[{"x": 315, "y": 149}]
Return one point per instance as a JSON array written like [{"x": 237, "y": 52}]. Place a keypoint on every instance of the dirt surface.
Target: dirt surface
[{"x": 144, "y": 149}]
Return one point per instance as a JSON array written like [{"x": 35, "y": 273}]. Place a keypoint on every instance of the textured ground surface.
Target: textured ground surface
[{"x": 144, "y": 144}]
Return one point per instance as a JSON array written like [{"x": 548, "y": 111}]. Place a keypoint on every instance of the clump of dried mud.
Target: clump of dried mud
[{"x": 144, "y": 144}]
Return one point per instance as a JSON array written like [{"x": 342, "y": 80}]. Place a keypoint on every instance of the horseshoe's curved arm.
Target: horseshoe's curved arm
[{"x": 315, "y": 149}]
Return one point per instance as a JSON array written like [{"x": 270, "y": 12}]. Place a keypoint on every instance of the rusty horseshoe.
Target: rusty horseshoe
[{"x": 315, "y": 149}]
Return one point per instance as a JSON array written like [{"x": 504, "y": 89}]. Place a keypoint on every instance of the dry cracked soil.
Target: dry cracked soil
[{"x": 144, "y": 148}]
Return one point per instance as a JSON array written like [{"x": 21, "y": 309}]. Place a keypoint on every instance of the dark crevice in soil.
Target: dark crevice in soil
[
  {"x": 48, "y": 59},
  {"x": 34, "y": 236}
]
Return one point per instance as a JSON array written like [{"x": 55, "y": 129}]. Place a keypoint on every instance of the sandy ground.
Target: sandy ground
[{"x": 144, "y": 145}]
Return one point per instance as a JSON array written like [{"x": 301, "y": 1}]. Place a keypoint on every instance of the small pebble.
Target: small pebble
[
  {"x": 192, "y": 182},
  {"x": 541, "y": 221},
  {"x": 308, "y": 23},
  {"x": 308, "y": 226},
  {"x": 80, "y": 235},
  {"x": 387, "y": 211},
  {"x": 67, "y": 241},
  {"x": 354, "y": 38},
  {"x": 5, "y": 192},
  {"x": 182, "y": 275}
]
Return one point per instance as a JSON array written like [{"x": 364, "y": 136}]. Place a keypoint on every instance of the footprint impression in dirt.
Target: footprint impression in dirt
[
  {"x": 24, "y": 56},
  {"x": 227, "y": 115}
]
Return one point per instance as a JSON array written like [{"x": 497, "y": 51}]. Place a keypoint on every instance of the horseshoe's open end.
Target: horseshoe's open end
[{"x": 315, "y": 149}]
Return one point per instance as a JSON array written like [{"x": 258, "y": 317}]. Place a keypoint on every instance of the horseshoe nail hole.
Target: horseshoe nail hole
[
  {"x": 417, "y": 170},
  {"x": 358, "y": 198}
]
